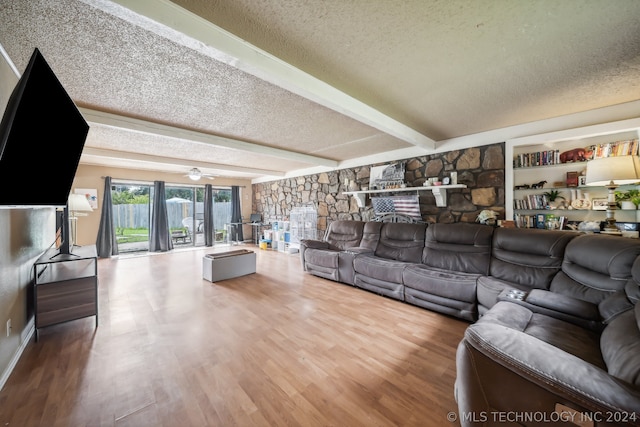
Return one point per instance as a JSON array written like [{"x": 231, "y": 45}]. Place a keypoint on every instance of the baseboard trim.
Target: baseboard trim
[{"x": 25, "y": 338}]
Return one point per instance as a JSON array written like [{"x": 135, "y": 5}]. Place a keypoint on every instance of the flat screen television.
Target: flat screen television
[{"x": 42, "y": 135}]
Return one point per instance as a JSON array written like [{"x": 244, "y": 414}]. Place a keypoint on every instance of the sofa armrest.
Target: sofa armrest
[
  {"x": 563, "y": 307},
  {"x": 314, "y": 244},
  {"x": 554, "y": 375},
  {"x": 358, "y": 250},
  {"x": 310, "y": 244}
]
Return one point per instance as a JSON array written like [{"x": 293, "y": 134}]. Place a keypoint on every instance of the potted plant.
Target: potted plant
[
  {"x": 552, "y": 196},
  {"x": 627, "y": 200}
]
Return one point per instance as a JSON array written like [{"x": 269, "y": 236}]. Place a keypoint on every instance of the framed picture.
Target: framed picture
[
  {"x": 582, "y": 181},
  {"x": 599, "y": 204},
  {"x": 386, "y": 176}
]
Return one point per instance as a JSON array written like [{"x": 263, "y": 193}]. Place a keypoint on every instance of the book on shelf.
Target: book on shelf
[
  {"x": 563, "y": 222},
  {"x": 537, "y": 158},
  {"x": 628, "y": 147},
  {"x": 572, "y": 178},
  {"x": 531, "y": 202}
]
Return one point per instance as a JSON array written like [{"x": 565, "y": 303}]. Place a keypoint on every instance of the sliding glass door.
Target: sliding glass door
[
  {"x": 185, "y": 211},
  {"x": 185, "y": 222},
  {"x": 131, "y": 216}
]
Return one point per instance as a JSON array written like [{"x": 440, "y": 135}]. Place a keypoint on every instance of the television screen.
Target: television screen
[{"x": 42, "y": 135}]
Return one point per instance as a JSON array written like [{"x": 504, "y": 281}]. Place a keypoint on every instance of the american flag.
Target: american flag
[{"x": 407, "y": 205}]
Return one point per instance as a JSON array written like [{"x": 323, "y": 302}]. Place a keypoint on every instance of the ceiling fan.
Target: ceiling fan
[{"x": 195, "y": 174}]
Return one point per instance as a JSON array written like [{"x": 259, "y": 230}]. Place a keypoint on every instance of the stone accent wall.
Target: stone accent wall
[{"x": 480, "y": 168}]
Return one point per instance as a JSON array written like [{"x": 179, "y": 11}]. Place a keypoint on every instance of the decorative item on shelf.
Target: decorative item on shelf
[
  {"x": 536, "y": 185},
  {"x": 487, "y": 217},
  {"x": 589, "y": 226},
  {"x": 575, "y": 155},
  {"x": 581, "y": 204},
  {"x": 552, "y": 222},
  {"x": 572, "y": 179},
  {"x": 387, "y": 176},
  {"x": 611, "y": 172},
  {"x": 627, "y": 200},
  {"x": 599, "y": 204},
  {"x": 552, "y": 196}
]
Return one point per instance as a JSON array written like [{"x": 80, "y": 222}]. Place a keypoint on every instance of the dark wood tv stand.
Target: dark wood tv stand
[{"x": 65, "y": 286}]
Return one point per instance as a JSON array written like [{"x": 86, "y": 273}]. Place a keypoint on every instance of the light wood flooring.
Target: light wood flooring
[{"x": 277, "y": 348}]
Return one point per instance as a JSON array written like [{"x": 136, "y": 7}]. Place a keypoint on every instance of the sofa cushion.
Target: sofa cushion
[
  {"x": 379, "y": 268},
  {"x": 620, "y": 346},
  {"x": 528, "y": 257},
  {"x": 401, "y": 241},
  {"x": 459, "y": 247},
  {"x": 445, "y": 283},
  {"x": 580, "y": 342},
  {"x": 444, "y": 291},
  {"x": 596, "y": 266},
  {"x": 516, "y": 362},
  {"x": 521, "y": 258},
  {"x": 371, "y": 235},
  {"x": 344, "y": 234},
  {"x": 321, "y": 258},
  {"x": 322, "y": 263}
]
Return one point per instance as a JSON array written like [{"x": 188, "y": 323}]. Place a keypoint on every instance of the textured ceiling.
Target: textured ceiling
[{"x": 325, "y": 84}]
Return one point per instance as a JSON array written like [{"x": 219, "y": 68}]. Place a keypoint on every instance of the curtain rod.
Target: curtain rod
[{"x": 133, "y": 181}]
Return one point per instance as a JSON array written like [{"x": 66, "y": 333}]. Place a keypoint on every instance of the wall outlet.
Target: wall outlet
[{"x": 9, "y": 327}]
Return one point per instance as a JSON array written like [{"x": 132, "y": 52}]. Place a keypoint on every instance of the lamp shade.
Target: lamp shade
[
  {"x": 78, "y": 203},
  {"x": 618, "y": 170}
]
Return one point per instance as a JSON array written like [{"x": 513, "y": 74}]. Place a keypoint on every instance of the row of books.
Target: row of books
[
  {"x": 532, "y": 201},
  {"x": 619, "y": 148},
  {"x": 539, "y": 158},
  {"x": 629, "y": 147},
  {"x": 543, "y": 221}
]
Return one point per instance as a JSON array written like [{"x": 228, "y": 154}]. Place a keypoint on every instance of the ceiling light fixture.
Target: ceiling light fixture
[{"x": 195, "y": 174}]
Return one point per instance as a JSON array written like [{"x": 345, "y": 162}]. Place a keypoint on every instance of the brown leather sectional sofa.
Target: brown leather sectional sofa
[{"x": 555, "y": 331}]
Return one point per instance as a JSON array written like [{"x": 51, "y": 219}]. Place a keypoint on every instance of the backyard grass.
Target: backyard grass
[{"x": 133, "y": 235}]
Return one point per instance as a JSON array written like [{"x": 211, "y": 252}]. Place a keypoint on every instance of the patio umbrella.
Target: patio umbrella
[{"x": 178, "y": 200}]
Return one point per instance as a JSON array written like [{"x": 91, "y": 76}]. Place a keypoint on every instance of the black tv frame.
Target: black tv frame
[{"x": 42, "y": 133}]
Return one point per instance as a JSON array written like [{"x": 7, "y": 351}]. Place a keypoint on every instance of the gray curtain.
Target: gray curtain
[
  {"x": 236, "y": 214},
  {"x": 106, "y": 243},
  {"x": 159, "y": 233},
  {"x": 209, "y": 232}
]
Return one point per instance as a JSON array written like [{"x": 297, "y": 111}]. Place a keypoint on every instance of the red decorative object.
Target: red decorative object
[{"x": 575, "y": 155}]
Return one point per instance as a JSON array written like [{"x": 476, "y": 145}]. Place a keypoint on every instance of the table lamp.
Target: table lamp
[
  {"x": 78, "y": 205},
  {"x": 611, "y": 172}
]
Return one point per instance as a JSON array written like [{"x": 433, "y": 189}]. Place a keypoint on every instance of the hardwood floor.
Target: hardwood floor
[{"x": 277, "y": 348}]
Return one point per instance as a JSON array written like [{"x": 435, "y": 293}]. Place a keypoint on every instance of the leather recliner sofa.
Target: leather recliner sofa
[
  {"x": 541, "y": 370},
  {"x": 558, "y": 335}
]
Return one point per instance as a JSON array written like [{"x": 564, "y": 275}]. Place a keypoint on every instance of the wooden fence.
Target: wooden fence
[{"x": 137, "y": 216}]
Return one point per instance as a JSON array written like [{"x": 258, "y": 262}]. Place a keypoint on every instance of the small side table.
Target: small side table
[{"x": 65, "y": 286}]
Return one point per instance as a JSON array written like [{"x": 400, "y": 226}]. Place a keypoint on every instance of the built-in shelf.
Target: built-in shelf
[{"x": 439, "y": 192}]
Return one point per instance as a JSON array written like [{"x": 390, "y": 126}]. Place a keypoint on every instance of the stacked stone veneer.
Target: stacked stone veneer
[{"x": 481, "y": 169}]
